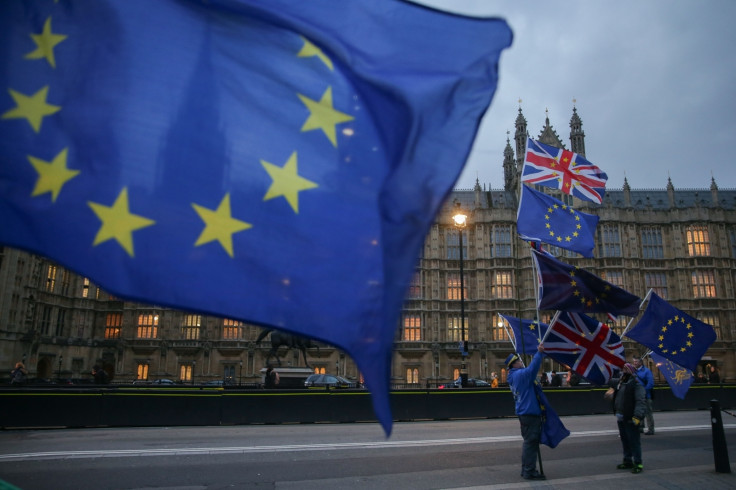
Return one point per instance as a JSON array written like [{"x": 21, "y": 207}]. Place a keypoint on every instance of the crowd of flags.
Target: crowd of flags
[{"x": 676, "y": 341}]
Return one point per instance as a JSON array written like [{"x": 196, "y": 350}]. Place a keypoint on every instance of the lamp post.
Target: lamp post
[
  {"x": 58, "y": 372},
  {"x": 460, "y": 220},
  {"x": 240, "y": 376},
  {"x": 194, "y": 366}
]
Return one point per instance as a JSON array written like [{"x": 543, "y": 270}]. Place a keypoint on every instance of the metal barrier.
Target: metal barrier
[{"x": 120, "y": 406}]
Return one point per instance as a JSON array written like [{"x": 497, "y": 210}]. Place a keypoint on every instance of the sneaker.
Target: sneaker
[
  {"x": 626, "y": 465},
  {"x": 638, "y": 468}
]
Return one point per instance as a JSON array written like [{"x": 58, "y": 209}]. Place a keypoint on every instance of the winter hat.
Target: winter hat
[
  {"x": 511, "y": 359},
  {"x": 629, "y": 368}
]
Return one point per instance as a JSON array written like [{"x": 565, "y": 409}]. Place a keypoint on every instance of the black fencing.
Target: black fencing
[{"x": 197, "y": 406}]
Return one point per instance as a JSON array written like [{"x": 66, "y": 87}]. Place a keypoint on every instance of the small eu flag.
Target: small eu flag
[
  {"x": 678, "y": 377},
  {"x": 542, "y": 218},
  {"x": 672, "y": 333},
  {"x": 270, "y": 161},
  {"x": 528, "y": 334}
]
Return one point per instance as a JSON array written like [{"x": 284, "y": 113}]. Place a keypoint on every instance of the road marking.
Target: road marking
[{"x": 131, "y": 453}]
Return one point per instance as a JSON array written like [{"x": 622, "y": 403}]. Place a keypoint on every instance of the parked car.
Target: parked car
[
  {"x": 325, "y": 380},
  {"x": 165, "y": 382},
  {"x": 219, "y": 383},
  {"x": 472, "y": 383}
]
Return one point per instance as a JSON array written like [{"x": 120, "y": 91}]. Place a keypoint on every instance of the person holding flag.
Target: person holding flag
[
  {"x": 539, "y": 422},
  {"x": 630, "y": 408},
  {"x": 647, "y": 380},
  {"x": 521, "y": 382}
]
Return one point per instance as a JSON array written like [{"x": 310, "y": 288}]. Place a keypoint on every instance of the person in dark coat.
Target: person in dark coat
[{"x": 630, "y": 407}]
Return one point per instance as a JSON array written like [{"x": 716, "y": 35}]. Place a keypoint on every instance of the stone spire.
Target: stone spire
[
  {"x": 520, "y": 137},
  {"x": 671, "y": 192},
  {"x": 509, "y": 166},
  {"x": 713, "y": 191},
  {"x": 548, "y": 135},
  {"x": 477, "y": 190},
  {"x": 627, "y": 193},
  {"x": 577, "y": 135}
]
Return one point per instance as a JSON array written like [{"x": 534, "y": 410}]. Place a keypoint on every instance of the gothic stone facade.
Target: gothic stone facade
[{"x": 679, "y": 242}]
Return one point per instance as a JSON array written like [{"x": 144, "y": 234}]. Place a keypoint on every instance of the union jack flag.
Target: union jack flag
[
  {"x": 564, "y": 170},
  {"x": 588, "y": 346}
]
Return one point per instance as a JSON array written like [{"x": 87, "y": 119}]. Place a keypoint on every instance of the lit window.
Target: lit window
[
  {"x": 704, "y": 284},
  {"x": 190, "y": 329},
  {"x": 147, "y": 326},
  {"x": 698, "y": 242},
  {"x": 502, "y": 287},
  {"x": 232, "y": 329},
  {"x": 412, "y": 376},
  {"x": 453, "y": 286},
  {"x": 454, "y": 331},
  {"x": 113, "y": 325},
  {"x": 142, "y": 372},
  {"x": 412, "y": 328}
]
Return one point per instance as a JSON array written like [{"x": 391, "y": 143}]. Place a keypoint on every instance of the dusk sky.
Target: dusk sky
[{"x": 654, "y": 83}]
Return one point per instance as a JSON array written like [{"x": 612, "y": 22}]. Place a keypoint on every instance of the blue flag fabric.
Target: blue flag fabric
[
  {"x": 672, "y": 333},
  {"x": 567, "y": 288},
  {"x": 678, "y": 377},
  {"x": 542, "y": 218},
  {"x": 271, "y": 161},
  {"x": 530, "y": 331},
  {"x": 553, "y": 430}
]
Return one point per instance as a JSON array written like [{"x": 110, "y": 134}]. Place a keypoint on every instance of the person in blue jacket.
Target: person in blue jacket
[
  {"x": 521, "y": 382},
  {"x": 647, "y": 381}
]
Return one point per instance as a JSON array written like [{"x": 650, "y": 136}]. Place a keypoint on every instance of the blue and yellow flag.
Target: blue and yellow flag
[
  {"x": 672, "y": 333},
  {"x": 271, "y": 161},
  {"x": 678, "y": 377},
  {"x": 542, "y": 218},
  {"x": 528, "y": 334}
]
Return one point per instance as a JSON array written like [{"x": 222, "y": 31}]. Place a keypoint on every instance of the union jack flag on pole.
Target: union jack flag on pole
[
  {"x": 588, "y": 346},
  {"x": 564, "y": 170}
]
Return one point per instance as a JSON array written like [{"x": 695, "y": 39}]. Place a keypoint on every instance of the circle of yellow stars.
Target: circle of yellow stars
[
  {"x": 556, "y": 237},
  {"x": 672, "y": 323},
  {"x": 117, "y": 221}
]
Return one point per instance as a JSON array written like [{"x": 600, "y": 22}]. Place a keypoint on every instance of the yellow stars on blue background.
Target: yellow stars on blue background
[
  {"x": 219, "y": 225},
  {"x": 46, "y": 41},
  {"x": 556, "y": 236},
  {"x": 118, "y": 222},
  {"x": 51, "y": 175},
  {"x": 309, "y": 50},
  {"x": 322, "y": 115},
  {"x": 33, "y": 108},
  {"x": 286, "y": 182},
  {"x": 670, "y": 325}
]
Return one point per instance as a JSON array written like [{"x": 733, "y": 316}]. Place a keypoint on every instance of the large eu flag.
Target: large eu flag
[
  {"x": 568, "y": 288},
  {"x": 542, "y": 218},
  {"x": 270, "y": 161},
  {"x": 672, "y": 333}
]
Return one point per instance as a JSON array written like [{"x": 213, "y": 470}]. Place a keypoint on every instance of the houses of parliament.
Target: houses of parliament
[{"x": 679, "y": 242}]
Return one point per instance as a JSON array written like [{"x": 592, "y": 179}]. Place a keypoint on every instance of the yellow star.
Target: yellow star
[
  {"x": 664, "y": 329},
  {"x": 32, "y": 108},
  {"x": 219, "y": 225},
  {"x": 323, "y": 116},
  {"x": 286, "y": 182},
  {"x": 310, "y": 49},
  {"x": 118, "y": 222},
  {"x": 45, "y": 42},
  {"x": 51, "y": 175}
]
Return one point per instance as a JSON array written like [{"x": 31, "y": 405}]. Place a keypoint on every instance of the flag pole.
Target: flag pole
[{"x": 646, "y": 298}]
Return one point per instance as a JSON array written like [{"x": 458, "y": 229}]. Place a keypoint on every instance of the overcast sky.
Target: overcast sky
[{"x": 655, "y": 84}]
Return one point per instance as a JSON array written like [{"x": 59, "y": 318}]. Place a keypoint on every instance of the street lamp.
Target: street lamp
[
  {"x": 58, "y": 373},
  {"x": 194, "y": 366},
  {"x": 460, "y": 220},
  {"x": 240, "y": 377}
]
